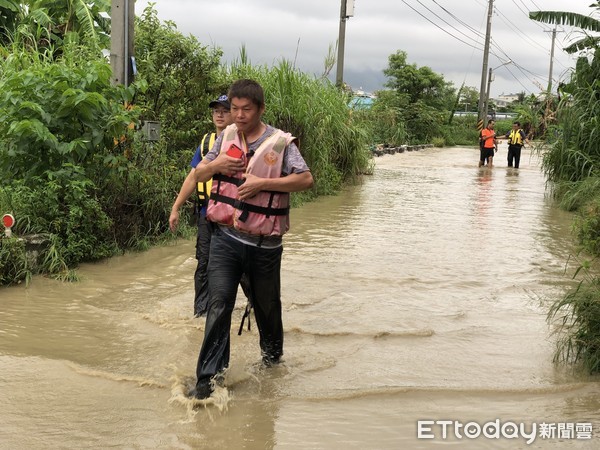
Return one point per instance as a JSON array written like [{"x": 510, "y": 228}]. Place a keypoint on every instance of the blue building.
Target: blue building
[{"x": 361, "y": 100}]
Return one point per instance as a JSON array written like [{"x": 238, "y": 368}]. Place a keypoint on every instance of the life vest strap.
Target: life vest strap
[
  {"x": 246, "y": 314},
  {"x": 248, "y": 208},
  {"x": 220, "y": 177}
]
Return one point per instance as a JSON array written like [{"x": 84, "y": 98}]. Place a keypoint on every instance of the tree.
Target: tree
[
  {"x": 423, "y": 97},
  {"x": 47, "y": 23},
  {"x": 418, "y": 83},
  {"x": 469, "y": 98},
  {"x": 183, "y": 77}
]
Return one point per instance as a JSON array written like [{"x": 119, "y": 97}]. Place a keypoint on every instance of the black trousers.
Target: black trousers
[
  {"x": 229, "y": 261},
  {"x": 514, "y": 152},
  {"x": 201, "y": 274},
  {"x": 201, "y": 292}
]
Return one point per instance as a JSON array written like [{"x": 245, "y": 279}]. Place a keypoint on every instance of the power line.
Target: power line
[
  {"x": 466, "y": 25},
  {"x": 518, "y": 79},
  {"x": 521, "y": 9},
  {"x": 447, "y": 23},
  {"x": 431, "y": 15},
  {"x": 519, "y": 32},
  {"x": 534, "y": 4},
  {"x": 437, "y": 26},
  {"x": 526, "y": 12},
  {"x": 517, "y": 65},
  {"x": 477, "y": 32}
]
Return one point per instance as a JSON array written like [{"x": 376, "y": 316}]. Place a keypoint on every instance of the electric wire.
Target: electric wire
[
  {"x": 463, "y": 23},
  {"x": 495, "y": 49},
  {"x": 527, "y": 11},
  {"x": 508, "y": 22},
  {"x": 437, "y": 26},
  {"x": 447, "y": 23}
]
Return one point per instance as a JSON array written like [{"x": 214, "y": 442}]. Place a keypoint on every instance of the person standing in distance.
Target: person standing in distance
[
  {"x": 487, "y": 149},
  {"x": 221, "y": 117},
  {"x": 516, "y": 140},
  {"x": 254, "y": 168}
]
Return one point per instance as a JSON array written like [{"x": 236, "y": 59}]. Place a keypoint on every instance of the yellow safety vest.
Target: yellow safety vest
[
  {"x": 515, "y": 137},
  {"x": 204, "y": 187}
]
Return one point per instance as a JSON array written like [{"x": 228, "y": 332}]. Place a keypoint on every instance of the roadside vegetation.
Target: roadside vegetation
[
  {"x": 571, "y": 161},
  {"x": 76, "y": 171}
]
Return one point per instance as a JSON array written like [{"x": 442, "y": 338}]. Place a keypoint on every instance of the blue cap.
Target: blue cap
[{"x": 222, "y": 100}]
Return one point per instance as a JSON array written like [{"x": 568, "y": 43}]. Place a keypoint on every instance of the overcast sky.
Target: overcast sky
[{"x": 446, "y": 35}]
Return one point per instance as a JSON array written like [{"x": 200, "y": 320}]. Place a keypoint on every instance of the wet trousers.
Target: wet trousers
[
  {"x": 229, "y": 260},
  {"x": 201, "y": 275},
  {"x": 514, "y": 152}
]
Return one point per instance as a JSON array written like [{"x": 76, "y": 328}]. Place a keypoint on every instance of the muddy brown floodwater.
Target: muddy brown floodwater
[{"x": 419, "y": 295}]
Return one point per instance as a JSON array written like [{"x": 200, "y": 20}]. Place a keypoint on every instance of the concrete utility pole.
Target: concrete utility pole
[
  {"x": 482, "y": 118},
  {"x": 551, "y": 61},
  {"x": 346, "y": 10},
  {"x": 486, "y": 103},
  {"x": 486, "y": 106},
  {"x": 121, "y": 40}
]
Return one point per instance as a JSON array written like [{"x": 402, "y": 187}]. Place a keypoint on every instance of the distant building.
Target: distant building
[
  {"x": 361, "y": 100},
  {"x": 504, "y": 100}
]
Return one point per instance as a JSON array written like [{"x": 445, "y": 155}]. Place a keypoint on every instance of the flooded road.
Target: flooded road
[{"x": 419, "y": 295}]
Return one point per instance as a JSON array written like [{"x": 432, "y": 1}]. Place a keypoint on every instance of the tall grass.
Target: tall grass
[
  {"x": 571, "y": 163},
  {"x": 332, "y": 141},
  {"x": 577, "y": 320}
]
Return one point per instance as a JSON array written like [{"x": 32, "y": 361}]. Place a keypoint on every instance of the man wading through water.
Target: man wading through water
[
  {"x": 254, "y": 167},
  {"x": 221, "y": 117},
  {"x": 487, "y": 145}
]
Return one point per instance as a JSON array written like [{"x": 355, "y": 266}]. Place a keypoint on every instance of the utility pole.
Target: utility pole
[
  {"x": 486, "y": 51},
  {"x": 489, "y": 83},
  {"x": 486, "y": 103},
  {"x": 121, "y": 41},
  {"x": 346, "y": 10},
  {"x": 551, "y": 61}
]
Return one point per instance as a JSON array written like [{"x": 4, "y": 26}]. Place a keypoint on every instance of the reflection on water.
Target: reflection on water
[
  {"x": 483, "y": 196},
  {"x": 419, "y": 294}
]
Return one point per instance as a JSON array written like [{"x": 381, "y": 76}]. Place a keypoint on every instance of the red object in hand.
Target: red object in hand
[{"x": 235, "y": 152}]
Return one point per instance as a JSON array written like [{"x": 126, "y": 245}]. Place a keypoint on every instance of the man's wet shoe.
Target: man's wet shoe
[
  {"x": 202, "y": 390},
  {"x": 269, "y": 361}
]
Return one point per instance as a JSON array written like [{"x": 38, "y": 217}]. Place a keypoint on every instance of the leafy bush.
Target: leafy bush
[
  {"x": 52, "y": 113},
  {"x": 461, "y": 131},
  {"x": 182, "y": 76},
  {"x": 438, "y": 142},
  {"x": 66, "y": 208},
  {"x": 13, "y": 261}
]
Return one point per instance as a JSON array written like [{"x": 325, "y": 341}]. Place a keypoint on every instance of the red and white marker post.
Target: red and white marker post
[{"x": 8, "y": 221}]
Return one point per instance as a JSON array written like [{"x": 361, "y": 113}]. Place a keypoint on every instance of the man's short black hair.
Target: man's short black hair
[{"x": 249, "y": 89}]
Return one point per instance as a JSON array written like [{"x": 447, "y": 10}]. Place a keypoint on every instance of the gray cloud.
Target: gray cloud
[{"x": 302, "y": 32}]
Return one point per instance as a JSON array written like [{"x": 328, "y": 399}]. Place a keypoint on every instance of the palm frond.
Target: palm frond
[
  {"x": 566, "y": 18},
  {"x": 587, "y": 42},
  {"x": 10, "y": 5}
]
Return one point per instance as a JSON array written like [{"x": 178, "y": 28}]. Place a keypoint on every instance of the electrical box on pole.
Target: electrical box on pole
[{"x": 349, "y": 8}]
